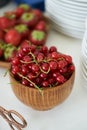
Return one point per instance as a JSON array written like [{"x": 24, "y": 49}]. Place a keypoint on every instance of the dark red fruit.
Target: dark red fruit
[
  {"x": 38, "y": 13},
  {"x": 41, "y": 25},
  {"x": 4, "y": 23},
  {"x": 37, "y": 37},
  {"x": 28, "y": 19},
  {"x": 1, "y": 35},
  {"x": 13, "y": 37},
  {"x": 41, "y": 67}
]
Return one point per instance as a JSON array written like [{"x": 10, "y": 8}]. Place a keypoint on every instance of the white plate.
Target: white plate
[
  {"x": 74, "y": 34},
  {"x": 72, "y": 6},
  {"x": 60, "y": 9},
  {"x": 73, "y": 2},
  {"x": 62, "y": 13},
  {"x": 57, "y": 7},
  {"x": 67, "y": 22},
  {"x": 84, "y": 63}
]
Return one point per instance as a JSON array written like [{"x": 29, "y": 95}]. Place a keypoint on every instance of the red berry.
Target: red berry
[
  {"x": 4, "y": 23},
  {"x": 55, "y": 55},
  {"x": 53, "y": 65},
  {"x": 15, "y": 70},
  {"x": 68, "y": 59},
  {"x": 24, "y": 70},
  {"x": 45, "y": 84},
  {"x": 25, "y": 82},
  {"x": 41, "y": 25},
  {"x": 45, "y": 67},
  {"x": 40, "y": 57},
  {"x": 38, "y": 13},
  {"x": 35, "y": 68},
  {"x": 61, "y": 64},
  {"x": 31, "y": 76},
  {"x": 60, "y": 79},
  {"x": 15, "y": 61},
  {"x": 13, "y": 37},
  {"x": 43, "y": 75},
  {"x": 1, "y": 35},
  {"x": 52, "y": 49}
]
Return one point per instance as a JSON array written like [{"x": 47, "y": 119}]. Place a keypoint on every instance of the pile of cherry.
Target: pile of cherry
[
  {"x": 41, "y": 67},
  {"x": 19, "y": 25}
]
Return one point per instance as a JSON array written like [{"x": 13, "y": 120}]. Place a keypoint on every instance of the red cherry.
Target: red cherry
[
  {"x": 35, "y": 68},
  {"x": 53, "y": 65},
  {"x": 40, "y": 57},
  {"x": 43, "y": 75},
  {"x": 68, "y": 59},
  {"x": 25, "y": 43},
  {"x": 45, "y": 84},
  {"x": 44, "y": 50},
  {"x": 60, "y": 79},
  {"x": 52, "y": 49},
  {"x": 55, "y": 55},
  {"x": 15, "y": 70},
  {"x": 45, "y": 66},
  {"x": 25, "y": 82},
  {"x": 27, "y": 58},
  {"x": 15, "y": 61},
  {"x": 31, "y": 76},
  {"x": 61, "y": 64}
]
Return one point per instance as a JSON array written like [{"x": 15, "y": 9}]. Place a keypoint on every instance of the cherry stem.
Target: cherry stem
[
  {"x": 27, "y": 62},
  {"x": 40, "y": 90},
  {"x": 46, "y": 72}
]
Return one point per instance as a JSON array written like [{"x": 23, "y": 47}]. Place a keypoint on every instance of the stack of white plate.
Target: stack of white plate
[
  {"x": 68, "y": 16},
  {"x": 84, "y": 60}
]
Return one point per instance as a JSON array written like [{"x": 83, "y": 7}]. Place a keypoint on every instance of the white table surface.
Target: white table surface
[{"x": 71, "y": 114}]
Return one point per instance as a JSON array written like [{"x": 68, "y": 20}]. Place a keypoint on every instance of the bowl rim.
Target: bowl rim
[
  {"x": 4, "y": 64},
  {"x": 45, "y": 89}
]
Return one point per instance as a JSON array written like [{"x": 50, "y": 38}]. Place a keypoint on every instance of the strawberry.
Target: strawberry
[
  {"x": 22, "y": 8},
  {"x": 37, "y": 37},
  {"x": 12, "y": 17},
  {"x": 41, "y": 25},
  {"x": 4, "y": 23},
  {"x": 9, "y": 52},
  {"x": 26, "y": 7},
  {"x": 38, "y": 13},
  {"x": 1, "y": 35},
  {"x": 13, "y": 37},
  {"x": 29, "y": 19},
  {"x": 23, "y": 30}
]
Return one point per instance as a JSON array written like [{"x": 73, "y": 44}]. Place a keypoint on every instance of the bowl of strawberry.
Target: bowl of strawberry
[
  {"x": 41, "y": 78},
  {"x": 16, "y": 26}
]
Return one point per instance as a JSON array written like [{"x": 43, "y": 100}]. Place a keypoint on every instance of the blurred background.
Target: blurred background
[{"x": 66, "y": 16}]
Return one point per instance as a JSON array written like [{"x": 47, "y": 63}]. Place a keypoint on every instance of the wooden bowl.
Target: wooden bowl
[
  {"x": 51, "y": 96},
  {"x": 4, "y": 64}
]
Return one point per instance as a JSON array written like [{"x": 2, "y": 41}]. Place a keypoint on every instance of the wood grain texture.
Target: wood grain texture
[
  {"x": 50, "y": 98},
  {"x": 4, "y": 64}
]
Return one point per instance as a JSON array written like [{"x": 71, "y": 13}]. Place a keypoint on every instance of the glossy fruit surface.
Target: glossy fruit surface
[
  {"x": 13, "y": 37},
  {"x": 37, "y": 70}
]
